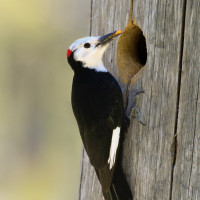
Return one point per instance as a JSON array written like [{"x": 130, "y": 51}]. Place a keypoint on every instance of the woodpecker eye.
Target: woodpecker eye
[{"x": 87, "y": 45}]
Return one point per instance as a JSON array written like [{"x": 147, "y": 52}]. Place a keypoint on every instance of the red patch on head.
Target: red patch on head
[{"x": 68, "y": 53}]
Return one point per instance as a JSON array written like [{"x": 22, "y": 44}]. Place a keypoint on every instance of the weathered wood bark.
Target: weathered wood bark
[
  {"x": 162, "y": 159},
  {"x": 186, "y": 179}
]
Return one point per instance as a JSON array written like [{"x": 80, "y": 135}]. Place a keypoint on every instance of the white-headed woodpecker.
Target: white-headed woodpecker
[{"x": 98, "y": 108}]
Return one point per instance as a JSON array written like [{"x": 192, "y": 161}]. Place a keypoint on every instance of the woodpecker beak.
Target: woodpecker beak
[{"x": 108, "y": 38}]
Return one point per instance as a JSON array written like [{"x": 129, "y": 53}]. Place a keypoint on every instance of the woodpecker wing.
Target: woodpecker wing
[{"x": 98, "y": 108}]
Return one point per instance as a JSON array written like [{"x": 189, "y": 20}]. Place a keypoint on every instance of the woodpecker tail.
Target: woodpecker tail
[{"x": 119, "y": 189}]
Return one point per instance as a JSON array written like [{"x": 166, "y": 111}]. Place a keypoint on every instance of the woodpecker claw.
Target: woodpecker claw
[
  {"x": 138, "y": 114},
  {"x": 139, "y": 92},
  {"x": 135, "y": 108}
]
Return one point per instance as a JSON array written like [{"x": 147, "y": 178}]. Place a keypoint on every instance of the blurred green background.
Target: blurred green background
[{"x": 40, "y": 146}]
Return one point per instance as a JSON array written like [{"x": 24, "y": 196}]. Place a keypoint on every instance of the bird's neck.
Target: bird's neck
[
  {"x": 80, "y": 67},
  {"x": 99, "y": 67}
]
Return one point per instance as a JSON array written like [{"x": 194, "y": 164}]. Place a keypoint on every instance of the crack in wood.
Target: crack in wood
[
  {"x": 175, "y": 139},
  {"x": 194, "y": 137},
  {"x": 112, "y": 52},
  {"x": 91, "y": 14}
]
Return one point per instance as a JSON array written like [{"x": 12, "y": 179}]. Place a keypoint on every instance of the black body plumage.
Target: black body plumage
[{"x": 98, "y": 108}]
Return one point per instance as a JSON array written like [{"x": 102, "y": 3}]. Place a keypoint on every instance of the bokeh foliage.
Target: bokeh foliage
[{"x": 39, "y": 140}]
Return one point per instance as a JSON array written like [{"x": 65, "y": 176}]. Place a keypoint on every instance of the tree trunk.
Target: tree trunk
[{"x": 162, "y": 159}]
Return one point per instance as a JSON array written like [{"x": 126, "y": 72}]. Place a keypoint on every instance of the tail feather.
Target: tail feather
[{"x": 119, "y": 189}]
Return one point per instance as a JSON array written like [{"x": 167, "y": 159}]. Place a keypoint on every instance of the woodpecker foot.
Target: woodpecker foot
[{"x": 135, "y": 109}]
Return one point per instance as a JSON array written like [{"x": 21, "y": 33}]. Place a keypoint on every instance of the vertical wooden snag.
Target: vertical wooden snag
[{"x": 162, "y": 159}]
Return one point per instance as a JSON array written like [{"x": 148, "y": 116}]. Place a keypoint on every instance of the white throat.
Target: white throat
[
  {"x": 98, "y": 67},
  {"x": 93, "y": 60}
]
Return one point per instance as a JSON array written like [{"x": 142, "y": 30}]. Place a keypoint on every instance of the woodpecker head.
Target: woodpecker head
[{"x": 88, "y": 51}]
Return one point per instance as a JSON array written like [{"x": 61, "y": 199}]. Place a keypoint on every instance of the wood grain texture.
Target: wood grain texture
[
  {"x": 147, "y": 158},
  {"x": 150, "y": 167},
  {"x": 186, "y": 182}
]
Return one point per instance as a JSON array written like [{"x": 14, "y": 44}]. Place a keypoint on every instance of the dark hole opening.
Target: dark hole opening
[{"x": 142, "y": 49}]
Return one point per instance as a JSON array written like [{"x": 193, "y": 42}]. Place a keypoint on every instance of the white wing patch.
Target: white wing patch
[{"x": 114, "y": 146}]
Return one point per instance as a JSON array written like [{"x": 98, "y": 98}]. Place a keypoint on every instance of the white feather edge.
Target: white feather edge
[{"x": 113, "y": 147}]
